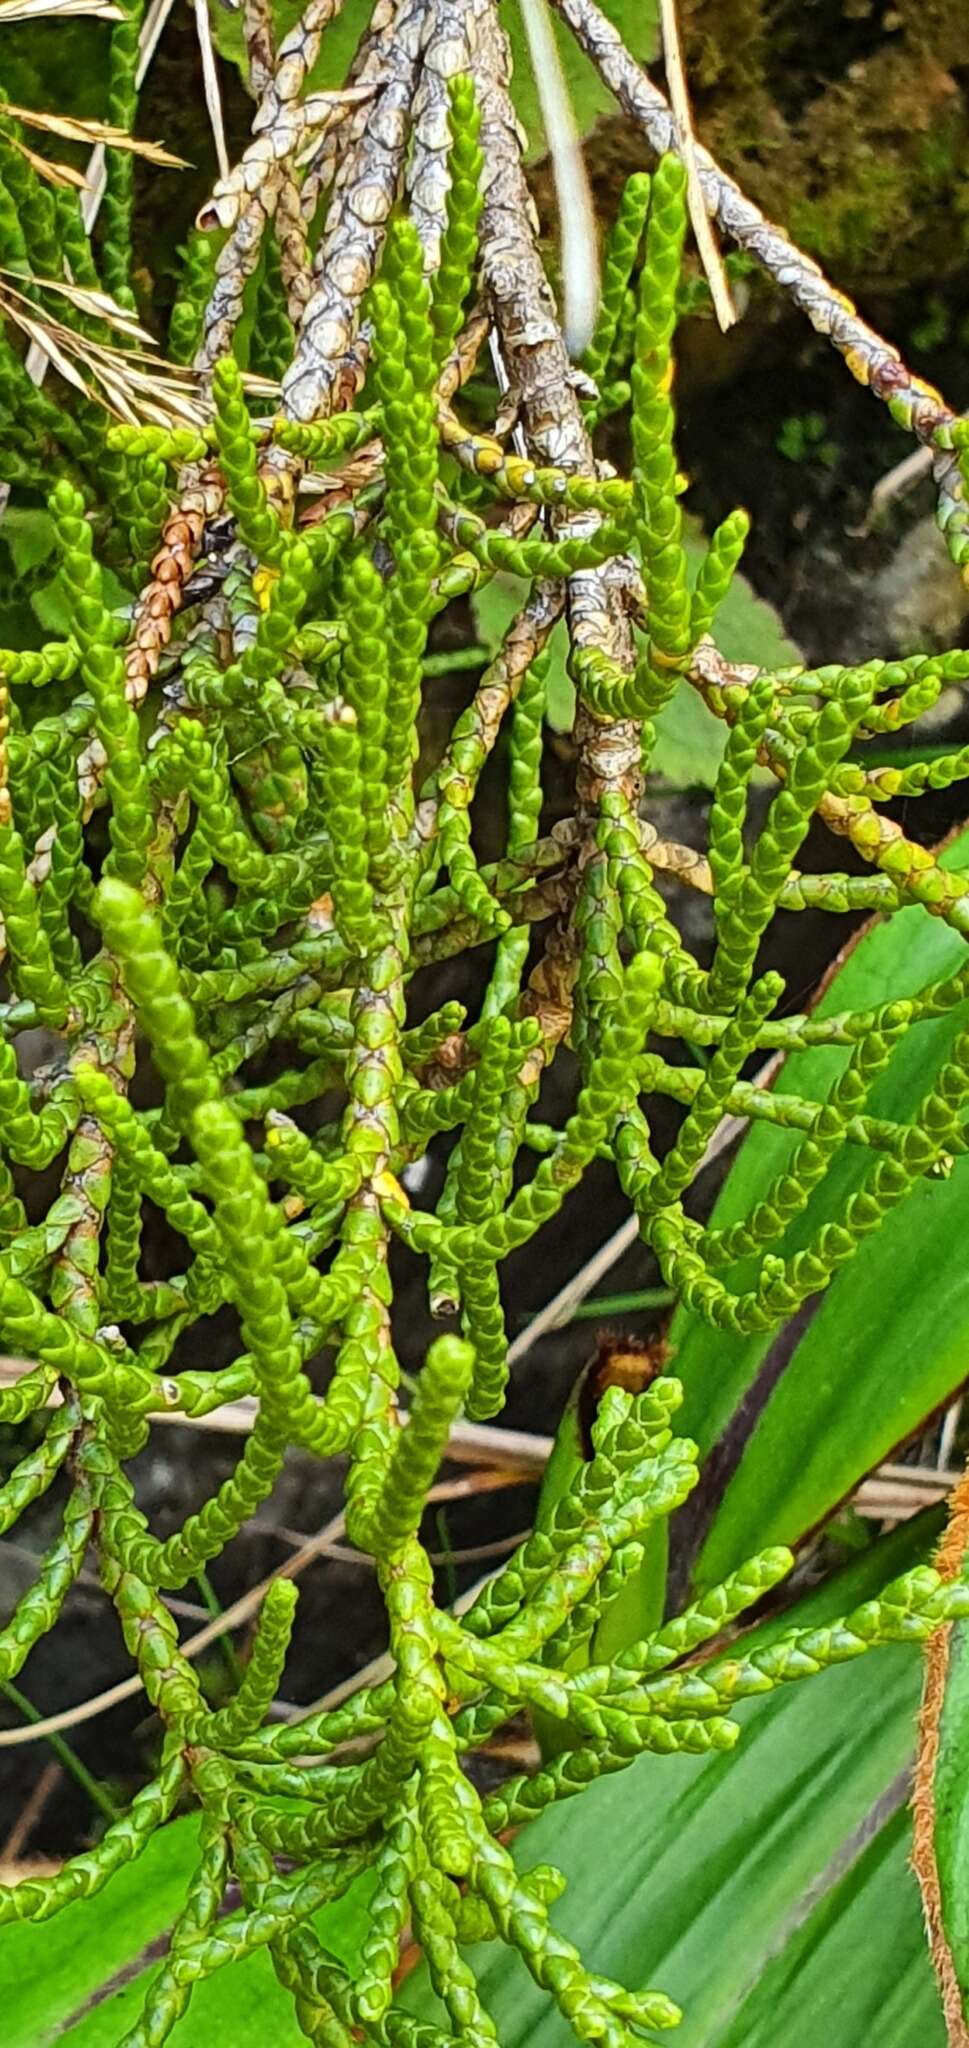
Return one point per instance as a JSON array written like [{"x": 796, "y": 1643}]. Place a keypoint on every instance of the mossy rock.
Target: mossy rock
[{"x": 847, "y": 121}]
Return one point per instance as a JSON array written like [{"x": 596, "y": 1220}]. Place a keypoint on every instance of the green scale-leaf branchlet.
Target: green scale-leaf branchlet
[
  {"x": 244, "y": 930},
  {"x": 459, "y": 241},
  {"x": 102, "y": 668},
  {"x": 654, "y": 472},
  {"x": 117, "y": 205}
]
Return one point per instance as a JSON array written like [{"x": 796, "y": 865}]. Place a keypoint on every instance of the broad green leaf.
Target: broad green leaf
[
  {"x": 789, "y": 1422},
  {"x": 55, "y": 1972},
  {"x": 494, "y": 606},
  {"x": 638, "y": 24},
  {"x": 689, "y": 739},
  {"x": 746, "y": 627},
  {"x": 340, "y": 38},
  {"x": 636, "y": 20},
  {"x": 52, "y": 608},
  {"x": 62, "y": 66},
  {"x": 639, "y": 1606},
  {"x": 768, "y": 1890},
  {"x": 18, "y": 626},
  {"x": 902, "y": 756},
  {"x": 29, "y": 534},
  {"x": 242, "y": 2005},
  {"x": 856, "y": 1970},
  {"x": 81, "y": 1978},
  {"x": 689, "y": 742}
]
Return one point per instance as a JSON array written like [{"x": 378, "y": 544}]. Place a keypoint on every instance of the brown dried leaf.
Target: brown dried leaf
[
  {"x": 133, "y": 384},
  {"x": 73, "y": 129},
  {"x": 56, "y": 174},
  {"x": 85, "y": 297},
  {"x": 35, "y": 10}
]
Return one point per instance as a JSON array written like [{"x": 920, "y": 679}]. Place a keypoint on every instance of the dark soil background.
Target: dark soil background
[{"x": 770, "y": 419}]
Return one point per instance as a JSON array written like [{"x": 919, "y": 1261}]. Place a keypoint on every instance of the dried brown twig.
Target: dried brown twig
[
  {"x": 72, "y": 129},
  {"x": 56, "y": 10}
]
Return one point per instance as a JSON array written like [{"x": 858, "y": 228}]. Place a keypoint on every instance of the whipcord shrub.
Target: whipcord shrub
[{"x": 216, "y": 841}]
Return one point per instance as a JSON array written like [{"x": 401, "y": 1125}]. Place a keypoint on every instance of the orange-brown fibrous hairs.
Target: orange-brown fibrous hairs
[{"x": 949, "y": 1562}]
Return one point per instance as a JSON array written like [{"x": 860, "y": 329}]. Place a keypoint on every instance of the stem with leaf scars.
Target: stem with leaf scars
[
  {"x": 446, "y": 55},
  {"x": 873, "y": 361},
  {"x": 279, "y": 122},
  {"x": 544, "y": 391},
  {"x": 289, "y": 224},
  {"x": 328, "y": 366}
]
